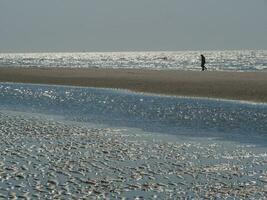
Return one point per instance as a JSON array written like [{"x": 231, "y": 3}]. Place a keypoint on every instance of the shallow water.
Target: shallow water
[
  {"x": 229, "y": 120},
  {"x": 75, "y": 142},
  {"x": 242, "y": 60}
]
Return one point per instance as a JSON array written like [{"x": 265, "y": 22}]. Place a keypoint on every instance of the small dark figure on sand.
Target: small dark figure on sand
[{"x": 203, "y": 61}]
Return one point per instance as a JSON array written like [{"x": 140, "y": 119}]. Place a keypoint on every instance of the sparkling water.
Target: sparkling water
[
  {"x": 88, "y": 143},
  {"x": 245, "y": 60},
  {"x": 152, "y": 113}
]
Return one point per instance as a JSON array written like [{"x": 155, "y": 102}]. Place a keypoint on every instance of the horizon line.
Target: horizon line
[{"x": 129, "y": 51}]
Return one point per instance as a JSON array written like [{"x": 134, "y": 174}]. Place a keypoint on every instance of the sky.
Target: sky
[{"x": 132, "y": 25}]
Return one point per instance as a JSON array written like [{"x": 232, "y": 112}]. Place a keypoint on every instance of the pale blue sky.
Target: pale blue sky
[{"x": 132, "y": 25}]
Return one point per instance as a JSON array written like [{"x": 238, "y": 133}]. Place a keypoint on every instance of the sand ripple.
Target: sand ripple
[{"x": 47, "y": 159}]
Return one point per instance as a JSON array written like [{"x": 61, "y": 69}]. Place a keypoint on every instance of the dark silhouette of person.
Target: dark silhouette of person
[{"x": 203, "y": 61}]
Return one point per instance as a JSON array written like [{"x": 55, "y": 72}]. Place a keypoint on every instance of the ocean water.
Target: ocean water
[
  {"x": 227, "y": 120},
  {"x": 245, "y": 60}
]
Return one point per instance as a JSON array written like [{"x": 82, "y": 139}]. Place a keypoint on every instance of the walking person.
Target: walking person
[{"x": 203, "y": 61}]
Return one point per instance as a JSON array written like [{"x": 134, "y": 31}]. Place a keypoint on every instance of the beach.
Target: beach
[
  {"x": 133, "y": 101},
  {"x": 48, "y": 159},
  {"x": 246, "y": 86},
  {"x": 97, "y": 143}
]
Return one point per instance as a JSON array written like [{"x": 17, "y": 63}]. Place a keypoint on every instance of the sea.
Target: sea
[
  {"x": 87, "y": 143},
  {"x": 239, "y": 60},
  {"x": 172, "y": 115}
]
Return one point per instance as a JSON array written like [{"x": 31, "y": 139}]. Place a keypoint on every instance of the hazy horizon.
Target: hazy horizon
[
  {"x": 31, "y": 26},
  {"x": 129, "y": 51}
]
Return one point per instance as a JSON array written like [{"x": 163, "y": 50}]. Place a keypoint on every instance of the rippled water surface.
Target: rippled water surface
[
  {"x": 87, "y": 143},
  {"x": 172, "y": 115},
  {"x": 245, "y": 60}
]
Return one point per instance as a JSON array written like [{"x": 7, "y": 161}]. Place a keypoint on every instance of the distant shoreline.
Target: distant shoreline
[{"x": 247, "y": 86}]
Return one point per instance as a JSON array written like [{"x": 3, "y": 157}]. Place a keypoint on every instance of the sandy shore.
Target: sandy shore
[
  {"x": 47, "y": 159},
  {"x": 248, "y": 86}
]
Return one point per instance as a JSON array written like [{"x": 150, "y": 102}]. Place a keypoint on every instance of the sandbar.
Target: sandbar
[{"x": 246, "y": 86}]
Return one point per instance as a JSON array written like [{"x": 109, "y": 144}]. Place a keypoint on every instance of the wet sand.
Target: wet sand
[
  {"x": 247, "y": 86},
  {"x": 42, "y": 158},
  {"x": 46, "y": 157}
]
